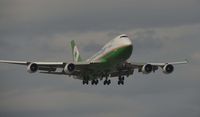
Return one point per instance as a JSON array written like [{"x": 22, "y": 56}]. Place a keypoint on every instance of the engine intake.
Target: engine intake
[
  {"x": 146, "y": 69},
  {"x": 168, "y": 68},
  {"x": 32, "y": 68},
  {"x": 69, "y": 68}
]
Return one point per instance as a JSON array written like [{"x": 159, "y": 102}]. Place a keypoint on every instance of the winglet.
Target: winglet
[
  {"x": 186, "y": 60},
  {"x": 75, "y": 52},
  {"x": 15, "y": 62}
]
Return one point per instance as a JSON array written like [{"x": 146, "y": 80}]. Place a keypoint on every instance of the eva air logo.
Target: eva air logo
[{"x": 76, "y": 54}]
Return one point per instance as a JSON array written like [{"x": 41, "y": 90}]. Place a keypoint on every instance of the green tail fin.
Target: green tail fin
[{"x": 75, "y": 52}]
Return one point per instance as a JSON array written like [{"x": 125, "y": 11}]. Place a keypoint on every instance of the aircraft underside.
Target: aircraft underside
[{"x": 105, "y": 77}]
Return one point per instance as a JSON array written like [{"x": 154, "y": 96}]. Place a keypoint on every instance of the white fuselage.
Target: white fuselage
[{"x": 118, "y": 42}]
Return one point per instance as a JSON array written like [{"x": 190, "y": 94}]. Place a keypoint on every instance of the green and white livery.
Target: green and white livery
[
  {"x": 110, "y": 61},
  {"x": 75, "y": 52}
]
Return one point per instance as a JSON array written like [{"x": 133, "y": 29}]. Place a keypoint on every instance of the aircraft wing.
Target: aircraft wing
[
  {"x": 137, "y": 64},
  {"x": 14, "y": 62},
  {"x": 34, "y": 66},
  {"x": 50, "y": 64},
  {"x": 146, "y": 68},
  {"x": 51, "y": 67}
]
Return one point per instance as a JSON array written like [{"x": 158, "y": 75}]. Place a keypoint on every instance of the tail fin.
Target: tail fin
[{"x": 75, "y": 52}]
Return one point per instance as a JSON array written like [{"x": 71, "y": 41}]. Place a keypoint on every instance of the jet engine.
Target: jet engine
[
  {"x": 168, "y": 68},
  {"x": 32, "y": 68},
  {"x": 147, "y": 68},
  {"x": 69, "y": 68}
]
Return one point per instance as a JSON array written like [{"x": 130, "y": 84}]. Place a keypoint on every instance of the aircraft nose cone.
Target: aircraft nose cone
[
  {"x": 125, "y": 42},
  {"x": 128, "y": 42}
]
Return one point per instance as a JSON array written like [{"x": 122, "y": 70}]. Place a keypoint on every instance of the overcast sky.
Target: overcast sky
[{"x": 41, "y": 30}]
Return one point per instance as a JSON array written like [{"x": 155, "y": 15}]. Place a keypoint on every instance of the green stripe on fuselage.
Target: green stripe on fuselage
[{"x": 117, "y": 56}]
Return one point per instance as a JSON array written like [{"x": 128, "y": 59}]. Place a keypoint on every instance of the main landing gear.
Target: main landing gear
[
  {"x": 121, "y": 80},
  {"x": 93, "y": 82},
  {"x": 107, "y": 82},
  {"x": 85, "y": 82}
]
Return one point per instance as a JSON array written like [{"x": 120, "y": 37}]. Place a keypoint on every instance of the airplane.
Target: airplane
[{"x": 110, "y": 61}]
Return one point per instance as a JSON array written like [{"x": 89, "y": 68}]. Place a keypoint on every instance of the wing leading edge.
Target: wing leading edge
[
  {"x": 55, "y": 64},
  {"x": 146, "y": 68},
  {"x": 138, "y": 64},
  {"x": 51, "y": 67}
]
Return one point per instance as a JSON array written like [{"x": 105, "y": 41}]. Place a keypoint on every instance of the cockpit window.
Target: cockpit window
[{"x": 124, "y": 36}]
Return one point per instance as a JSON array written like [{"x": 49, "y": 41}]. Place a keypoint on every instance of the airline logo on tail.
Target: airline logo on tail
[{"x": 75, "y": 52}]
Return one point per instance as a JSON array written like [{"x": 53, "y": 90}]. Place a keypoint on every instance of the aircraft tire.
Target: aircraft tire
[
  {"x": 120, "y": 82},
  {"x": 104, "y": 82},
  {"x": 107, "y": 82},
  {"x": 96, "y": 82}
]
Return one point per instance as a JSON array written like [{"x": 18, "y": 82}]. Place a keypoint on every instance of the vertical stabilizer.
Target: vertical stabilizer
[{"x": 75, "y": 52}]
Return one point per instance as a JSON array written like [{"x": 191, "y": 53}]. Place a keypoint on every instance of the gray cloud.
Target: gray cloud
[
  {"x": 57, "y": 16},
  {"x": 143, "y": 40}
]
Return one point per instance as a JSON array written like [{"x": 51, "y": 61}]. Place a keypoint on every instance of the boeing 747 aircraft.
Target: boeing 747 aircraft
[{"x": 110, "y": 61}]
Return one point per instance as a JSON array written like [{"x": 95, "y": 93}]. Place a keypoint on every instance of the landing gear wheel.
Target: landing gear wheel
[
  {"x": 85, "y": 82},
  {"x": 121, "y": 80},
  {"x": 107, "y": 82},
  {"x": 94, "y": 82},
  {"x": 118, "y": 82}
]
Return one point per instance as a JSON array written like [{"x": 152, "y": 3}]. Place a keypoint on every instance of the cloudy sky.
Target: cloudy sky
[{"x": 41, "y": 30}]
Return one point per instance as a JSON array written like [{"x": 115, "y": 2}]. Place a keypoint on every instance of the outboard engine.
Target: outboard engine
[
  {"x": 69, "y": 68},
  {"x": 168, "y": 68},
  {"x": 32, "y": 68}
]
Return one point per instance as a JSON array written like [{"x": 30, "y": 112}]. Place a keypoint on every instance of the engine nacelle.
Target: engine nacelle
[
  {"x": 146, "y": 69},
  {"x": 168, "y": 68},
  {"x": 69, "y": 68},
  {"x": 32, "y": 68}
]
